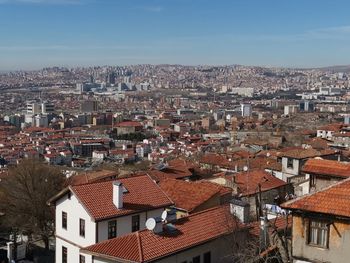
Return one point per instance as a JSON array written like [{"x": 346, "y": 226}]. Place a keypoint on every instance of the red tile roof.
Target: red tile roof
[
  {"x": 129, "y": 124},
  {"x": 248, "y": 182},
  {"x": 307, "y": 153},
  {"x": 334, "y": 200},
  {"x": 145, "y": 246},
  {"x": 143, "y": 194},
  {"x": 189, "y": 195},
  {"x": 215, "y": 159},
  {"x": 327, "y": 167},
  {"x": 176, "y": 169},
  {"x": 91, "y": 177}
]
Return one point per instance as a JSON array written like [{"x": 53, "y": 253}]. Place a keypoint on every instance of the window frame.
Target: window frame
[
  {"x": 290, "y": 163},
  {"x": 64, "y": 254},
  {"x": 319, "y": 229},
  {"x": 81, "y": 227},
  {"x": 205, "y": 259},
  {"x": 64, "y": 220},
  {"x": 81, "y": 259},
  {"x": 196, "y": 258},
  {"x": 112, "y": 229},
  {"x": 135, "y": 223}
]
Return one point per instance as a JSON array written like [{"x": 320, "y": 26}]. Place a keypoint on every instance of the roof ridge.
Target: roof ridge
[{"x": 139, "y": 246}]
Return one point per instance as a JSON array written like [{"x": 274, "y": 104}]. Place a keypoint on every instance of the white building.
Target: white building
[
  {"x": 90, "y": 213},
  {"x": 246, "y": 110},
  {"x": 290, "y": 109},
  {"x": 203, "y": 237}
]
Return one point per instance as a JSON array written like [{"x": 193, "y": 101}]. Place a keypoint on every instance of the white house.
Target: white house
[
  {"x": 90, "y": 213},
  {"x": 203, "y": 237}
]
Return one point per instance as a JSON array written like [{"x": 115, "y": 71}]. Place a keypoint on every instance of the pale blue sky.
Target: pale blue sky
[{"x": 301, "y": 33}]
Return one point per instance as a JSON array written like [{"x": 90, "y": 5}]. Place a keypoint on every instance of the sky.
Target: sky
[{"x": 288, "y": 33}]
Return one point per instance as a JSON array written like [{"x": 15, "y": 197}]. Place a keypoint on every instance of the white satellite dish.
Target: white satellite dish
[
  {"x": 151, "y": 224},
  {"x": 164, "y": 215},
  {"x": 245, "y": 168}
]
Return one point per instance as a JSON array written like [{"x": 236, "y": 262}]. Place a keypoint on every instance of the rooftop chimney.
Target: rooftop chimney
[{"x": 118, "y": 194}]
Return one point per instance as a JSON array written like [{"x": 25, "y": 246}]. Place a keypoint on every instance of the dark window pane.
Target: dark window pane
[
  {"x": 82, "y": 227},
  {"x": 207, "y": 257},
  {"x": 135, "y": 223},
  {"x": 64, "y": 255},
  {"x": 112, "y": 229},
  {"x": 196, "y": 259},
  {"x": 64, "y": 220}
]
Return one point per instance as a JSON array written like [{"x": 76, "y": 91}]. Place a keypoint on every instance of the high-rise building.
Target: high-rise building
[
  {"x": 246, "y": 109},
  {"x": 89, "y": 106},
  {"x": 306, "y": 105},
  {"x": 40, "y": 107},
  {"x": 33, "y": 108},
  {"x": 47, "y": 108}
]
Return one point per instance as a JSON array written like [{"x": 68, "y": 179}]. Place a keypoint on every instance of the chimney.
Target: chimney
[
  {"x": 240, "y": 209},
  {"x": 118, "y": 194}
]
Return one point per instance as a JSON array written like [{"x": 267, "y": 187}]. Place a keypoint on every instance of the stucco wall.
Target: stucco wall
[{"x": 339, "y": 242}]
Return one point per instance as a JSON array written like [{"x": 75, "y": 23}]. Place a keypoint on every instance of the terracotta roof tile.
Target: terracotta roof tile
[
  {"x": 143, "y": 194},
  {"x": 248, "y": 182},
  {"x": 334, "y": 200},
  {"x": 327, "y": 167},
  {"x": 145, "y": 246},
  {"x": 188, "y": 195},
  {"x": 307, "y": 153}
]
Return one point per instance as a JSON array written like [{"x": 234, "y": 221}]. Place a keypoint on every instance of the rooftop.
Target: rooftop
[
  {"x": 334, "y": 200},
  {"x": 144, "y": 246},
  {"x": 327, "y": 167}
]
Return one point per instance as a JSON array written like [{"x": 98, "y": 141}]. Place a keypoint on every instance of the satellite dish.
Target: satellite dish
[
  {"x": 245, "y": 168},
  {"x": 151, "y": 224},
  {"x": 164, "y": 215}
]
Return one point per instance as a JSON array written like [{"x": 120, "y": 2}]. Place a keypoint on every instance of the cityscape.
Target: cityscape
[{"x": 106, "y": 158}]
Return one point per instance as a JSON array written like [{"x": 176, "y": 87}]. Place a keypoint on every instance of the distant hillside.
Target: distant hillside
[{"x": 343, "y": 68}]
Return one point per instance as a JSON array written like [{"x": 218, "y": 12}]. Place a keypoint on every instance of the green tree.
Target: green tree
[{"x": 25, "y": 193}]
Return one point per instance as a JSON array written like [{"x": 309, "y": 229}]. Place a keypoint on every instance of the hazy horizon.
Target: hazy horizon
[{"x": 70, "y": 33}]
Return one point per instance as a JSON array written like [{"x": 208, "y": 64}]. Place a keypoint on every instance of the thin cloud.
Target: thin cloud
[{"x": 153, "y": 9}]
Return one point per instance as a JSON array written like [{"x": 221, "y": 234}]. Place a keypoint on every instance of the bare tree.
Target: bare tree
[
  {"x": 24, "y": 195},
  {"x": 270, "y": 247}
]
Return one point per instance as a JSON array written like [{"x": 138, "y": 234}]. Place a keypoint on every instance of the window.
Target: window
[
  {"x": 289, "y": 163},
  {"x": 207, "y": 257},
  {"x": 312, "y": 180},
  {"x": 196, "y": 259},
  {"x": 81, "y": 259},
  {"x": 112, "y": 229},
  {"x": 318, "y": 233},
  {"x": 64, "y": 255},
  {"x": 135, "y": 223},
  {"x": 64, "y": 220},
  {"x": 82, "y": 227}
]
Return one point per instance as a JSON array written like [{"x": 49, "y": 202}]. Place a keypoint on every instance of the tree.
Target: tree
[{"x": 25, "y": 193}]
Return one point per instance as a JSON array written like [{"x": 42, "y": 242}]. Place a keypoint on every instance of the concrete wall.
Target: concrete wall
[
  {"x": 73, "y": 252},
  {"x": 124, "y": 224},
  {"x": 322, "y": 182},
  {"x": 288, "y": 172},
  {"x": 339, "y": 242},
  {"x": 74, "y": 211}
]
